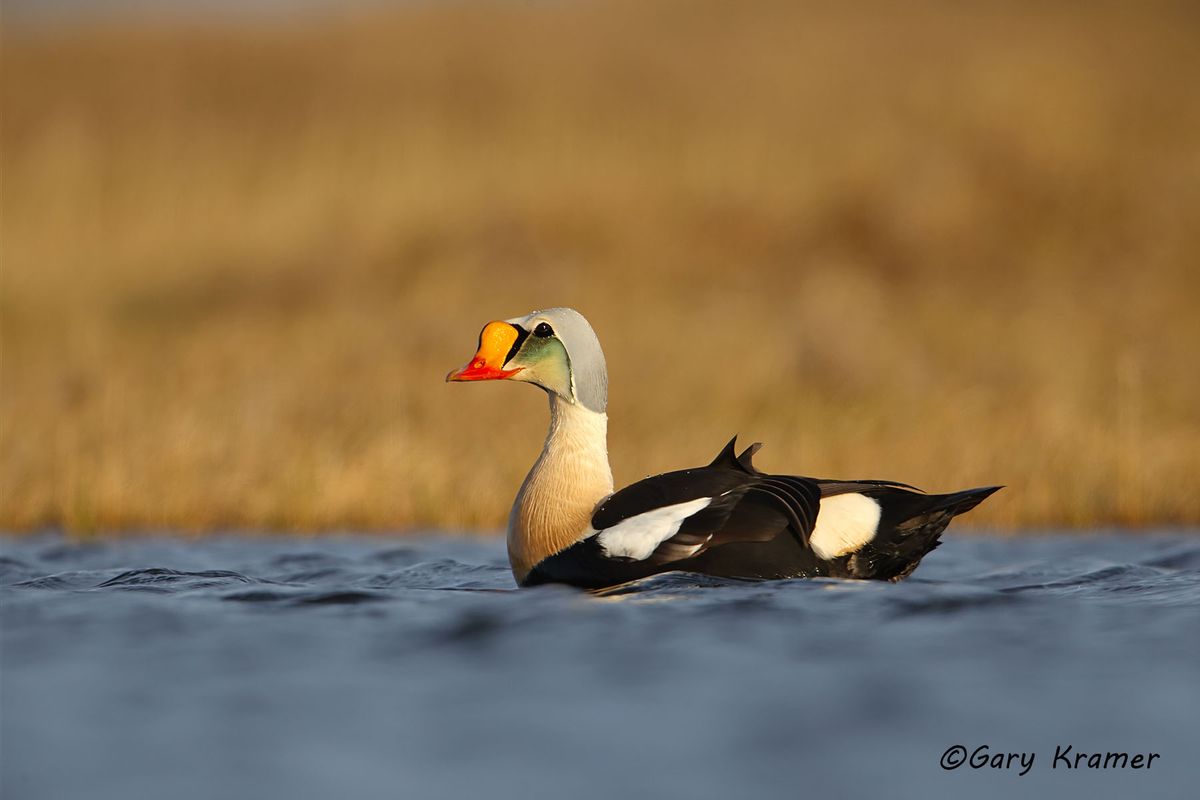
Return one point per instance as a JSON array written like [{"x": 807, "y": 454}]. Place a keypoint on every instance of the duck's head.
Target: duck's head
[{"x": 555, "y": 349}]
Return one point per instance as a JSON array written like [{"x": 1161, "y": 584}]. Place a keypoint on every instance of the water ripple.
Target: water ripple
[{"x": 169, "y": 579}]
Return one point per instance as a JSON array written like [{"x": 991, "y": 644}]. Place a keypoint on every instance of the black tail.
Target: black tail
[
  {"x": 909, "y": 528},
  {"x": 960, "y": 502}
]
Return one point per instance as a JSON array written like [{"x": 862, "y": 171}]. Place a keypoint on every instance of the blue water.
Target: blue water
[{"x": 357, "y": 667}]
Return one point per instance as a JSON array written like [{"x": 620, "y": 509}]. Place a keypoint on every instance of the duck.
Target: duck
[{"x": 726, "y": 519}]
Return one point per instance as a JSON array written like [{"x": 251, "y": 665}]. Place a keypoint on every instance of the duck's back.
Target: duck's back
[{"x": 728, "y": 519}]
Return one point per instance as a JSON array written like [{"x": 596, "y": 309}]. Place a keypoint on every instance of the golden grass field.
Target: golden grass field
[{"x": 951, "y": 244}]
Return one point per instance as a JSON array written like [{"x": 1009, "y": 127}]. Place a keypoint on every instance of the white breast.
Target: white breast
[
  {"x": 638, "y": 536},
  {"x": 845, "y": 523}
]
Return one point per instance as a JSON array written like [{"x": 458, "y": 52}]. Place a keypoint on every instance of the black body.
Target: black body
[{"x": 757, "y": 527}]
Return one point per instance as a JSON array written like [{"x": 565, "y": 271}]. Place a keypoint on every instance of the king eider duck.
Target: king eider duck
[{"x": 726, "y": 519}]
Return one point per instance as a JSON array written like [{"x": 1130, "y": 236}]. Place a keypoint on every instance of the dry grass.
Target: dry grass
[{"x": 918, "y": 241}]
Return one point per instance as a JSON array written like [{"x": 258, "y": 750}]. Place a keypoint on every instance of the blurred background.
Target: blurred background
[{"x": 946, "y": 243}]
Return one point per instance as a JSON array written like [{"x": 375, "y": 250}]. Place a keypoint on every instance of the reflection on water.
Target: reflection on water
[{"x": 368, "y": 667}]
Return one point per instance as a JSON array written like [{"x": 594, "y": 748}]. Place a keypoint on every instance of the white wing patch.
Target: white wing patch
[
  {"x": 638, "y": 536},
  {"x": 845, "y": 523}
]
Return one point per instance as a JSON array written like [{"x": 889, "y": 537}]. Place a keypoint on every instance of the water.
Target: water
[{"x": 354, "y": 667}]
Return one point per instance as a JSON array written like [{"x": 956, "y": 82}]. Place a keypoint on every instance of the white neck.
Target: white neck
[{"x": 572, "y": 475}]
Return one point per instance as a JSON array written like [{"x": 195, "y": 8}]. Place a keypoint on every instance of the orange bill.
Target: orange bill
[{"x": 495, "y": 341}]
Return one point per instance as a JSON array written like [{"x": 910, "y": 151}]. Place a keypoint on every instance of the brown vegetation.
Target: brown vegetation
[{"x": 952, "y": 244}]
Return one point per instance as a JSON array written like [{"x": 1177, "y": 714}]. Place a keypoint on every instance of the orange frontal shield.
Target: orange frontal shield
[{"x": 495, "y": 341}]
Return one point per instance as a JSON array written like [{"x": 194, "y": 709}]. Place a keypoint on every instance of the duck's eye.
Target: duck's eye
[{"x": 543, "y": 329}]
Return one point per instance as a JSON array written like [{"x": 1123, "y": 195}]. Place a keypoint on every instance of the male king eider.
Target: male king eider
[{"x": 726, "y": 519}]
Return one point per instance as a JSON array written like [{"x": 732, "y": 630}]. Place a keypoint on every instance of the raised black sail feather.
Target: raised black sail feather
[{"x": 726, "y": 519}]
